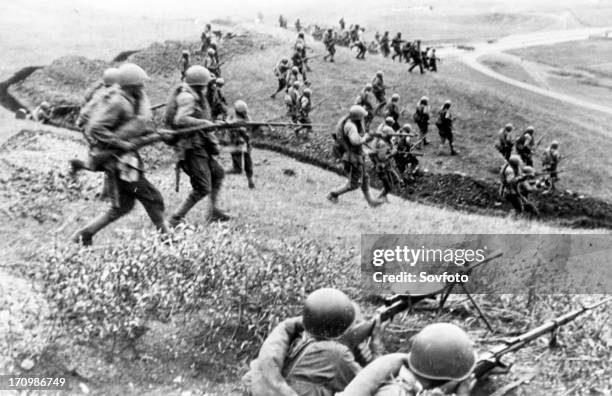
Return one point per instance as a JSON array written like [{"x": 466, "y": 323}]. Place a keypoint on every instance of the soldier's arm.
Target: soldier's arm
[
  {"x": 353, "y": 135},
  {"x": 105, "y": 118},
  {"x": 185, "y": 107}
]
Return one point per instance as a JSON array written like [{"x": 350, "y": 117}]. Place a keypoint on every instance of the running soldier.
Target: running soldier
[
  {"x": 504, "y": 141},
  {"x": 281, "y": 71},
  {"x": 330, "y": 45},
  {"x": 525, "y": 145},
  {"x": 361, "y": 44},
  {"x": 445, "y": 126},
  {"x": 433, "y": 61},
  {"x": 292, "y": 101},
  {"x": 305, "y": 356},
  {"x": 378, "y": 89},
  {"x": 304, "y": 108},
  {"x": 189, "y": 107},
  {"x": 439, "y": 353},
  {"x": 240, "y": 143},
  {"x": 206, "y": 39},
  {"x": 123, "y": 117},
  {"x": 393, "y": 111},
  {"x": 415, "y": 55},
  {"x": 406, "y": 49},
  {"x": 365, "y": 100},
  {"x": 396, "y": 43},
  {"x": 211, "y": 62},
  {"x": 298, "y": 60},
  {"x": 183, "y": 64},
  {"x": 216, "y": 99},
  {"x": 349, "y": 138},
  {"x": 385, "y": 44},
  {"x": 421, "y": 118}
]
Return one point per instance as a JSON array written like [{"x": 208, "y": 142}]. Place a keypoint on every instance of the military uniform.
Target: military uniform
[
  {"x": 382, "y": 153},
  {"x": 550, "y": 162},
  {"x": 378, "y": 89},
  {"x": 330, "y": 45},
  {"x": 217, "y": 101},
  {"x": 206, "y": 39},
  {"x": 240, "y": 149},
  {"x": 281, "y": 70},
  {"x": 416, "y": 56},
  {"x": 304, "y": 108},
  {"x": 298, "y": 61},
  {"x": 212, "y": 64},
  {"x": 183, "y": 66},
  {"x": 365, "y": 100},
  {"x": 403, "y": 157},
  {"x": 396, "y": 43},
  {"x": 393, "y": 110},
  {"x": 445, "y": 127},
  {"x": 292, "y": 103},
  {"x": 112, "y": 125},
  {"x": 197, "y": 153},
  {"x": 524, "y": 147},
  {"x": 504, "y": 143},
  {"x": 384, "y": 45},
  {"x": 421, "y": 118}
]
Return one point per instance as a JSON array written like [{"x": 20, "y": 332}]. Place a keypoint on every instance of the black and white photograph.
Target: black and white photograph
[{"x": 306, "y": 197}]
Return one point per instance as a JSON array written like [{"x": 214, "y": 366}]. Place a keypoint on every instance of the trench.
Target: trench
[{"x": 7, "y": 100}]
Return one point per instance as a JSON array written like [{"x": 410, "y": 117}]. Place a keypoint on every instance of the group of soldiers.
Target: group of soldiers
[
  {"x": 116, "y": 121},
  {"x": 518, "y": 176},
  {"x": 310, "y": 355}
]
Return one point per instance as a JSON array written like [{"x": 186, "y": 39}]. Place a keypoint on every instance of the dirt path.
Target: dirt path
[{"x": 471, "y": 59}]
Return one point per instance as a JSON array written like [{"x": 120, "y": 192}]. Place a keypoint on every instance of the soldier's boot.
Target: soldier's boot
[
  {"x": 216, "y": 214},
  {"x": 236, "y": 164},
  {"x": 182, "y": 211},
  {"x": 251, "y": 182},
  {"x": 452, "y": 150},
  {"x": 85, "y": 235},
  {"x": 333, "y": 196},
  {"x": 75, "y": 166},
  {"x": 365, "y": 188}
]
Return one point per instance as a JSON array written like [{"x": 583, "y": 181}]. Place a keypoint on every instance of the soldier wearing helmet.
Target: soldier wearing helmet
[
  {"x": 406, "y": 161},
  {"x": 212, "y": 63},
  {"x": 206, "y": 39},
  {"x": 421, "y": 118},
  {"x": 350, "y": 137},
  {"x": 445, "y": 126},
  {"x": 281, "y": 71},
  {"x": 393, "y": 110},
  {"x": 42, "y": 113},
  {"x": 216, "y": 98},
  {"x": 292, "y": 101},
  {"x": 550, "y": 162},
  {"x": 511, "y": 176},
  {"x": 382, "y": 151},
  {"x": 505, "y": 142},
  {"x": 122, "y": 118},
  {"x": 384, "y": 44},
  {"x": 329, "y": 40},
  {"x": 240, "y": 143},
  {"x": 416, "y": 56},
  {"x": 189, "y": 107},
  {"x": 440, "y": 353},
  {"x": 528, "y": 184},
  {"x": 304, "y": 109},
  {"x": 378, "y": 89},
  {"x": 305, "y": 355},
  {"x": 525, "y": 146},
  {"x": 293, "y": 76},
  {"x": 366, "y": 100},
  {"x": 298, "y": 60},
  {"x": 396, "y": 43},
  {"x": 183, "y": 63}
]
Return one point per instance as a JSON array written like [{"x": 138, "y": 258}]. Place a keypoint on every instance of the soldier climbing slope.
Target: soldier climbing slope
[
  {"x": 445, "y": 126},
  {"x": 550, "y": 162},
  {"x": 379, "y": 90},
  {"x": 292, "y": 77},
  {"x": 189, "y": 107},
  {"x": 298, "y": 60},
  {"x": 366, "y": 100},
  {"x": 381, "y": 155},
  {"x": 525, "y": 145},
  {"x": 406, "y": 161},
  {"x": 240, "y": 143},
  {"x": 292, "y": 101},
  {"x": 505, "y": 142},
  {"x": 206, "y": 39},
  {"x": 216, "y": 98},
  {"x": 303, "y": 355},
  {"x": 303, "y": 112},
  {"x": 511, "y": 178},
  {"x": 440, "y": 352},
  {"x": 393, "y": 111},
  {"x": 349, "y": 137},
  {"x": 421, "y": 118},
  {"x": 211, "y": 62},
  {"x": 124, "y": 116},
  {"x": 280, "y": 71}
]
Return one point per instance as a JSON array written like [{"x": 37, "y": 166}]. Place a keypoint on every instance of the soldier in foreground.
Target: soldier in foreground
[
  {"x": 421, "y": 118},
  {"x": 304, "y": 355},
  {"x": 240, "y": 143},
  {"x": 350, "y": 136},
  {"x": 124, "y": 115},
  {"x": 187, "y": 108},
  {"x": 280, "y": 71},
  {"x": 505, "y": 142},
  {"x": 445, "y": 126},
  {"x": 440, "y": 353}
]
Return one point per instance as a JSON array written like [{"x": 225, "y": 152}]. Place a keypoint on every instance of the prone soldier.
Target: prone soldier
[{"x": 121, "y": 118}]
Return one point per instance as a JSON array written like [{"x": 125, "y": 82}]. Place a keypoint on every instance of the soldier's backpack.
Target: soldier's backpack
[
  {"x": 339, "y": 145},
  {"x": 171, "y": 107}
]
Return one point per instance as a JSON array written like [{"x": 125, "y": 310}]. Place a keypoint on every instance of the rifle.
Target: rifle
[
  {"x": 157, "y": 106},
  {"x": 399, "y": 303},
  {"x": 492, "y": 360}
]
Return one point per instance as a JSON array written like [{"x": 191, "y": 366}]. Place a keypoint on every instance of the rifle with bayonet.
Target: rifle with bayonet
[
  {"x": 399, "y": 303},
  {"x": 491, "y": 361}
]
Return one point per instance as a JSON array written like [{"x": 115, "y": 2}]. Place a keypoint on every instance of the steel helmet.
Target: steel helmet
[
  {"x": 379, "y": 73},
  {"x": 110, "y": 76},
  {"x": 288, "y": 100},
  {"x": 299, "y": 46},
  {"x": 387, "y": 130},
  {"x": 185, "y": 52},
  {"x": 368, "y": 87},
  {"x": 448, "y": 103},
  {"x": 220, "y": 81},
  {"x": 554, "y": 144},
  {"x": 295, "y": 70},
  {"x": 131, "y": 74},
  {"x": 509, "y": 127},
  {"x": 197, "y": 75},
  {"x": 514, "y": 160},
  {"x": 45, "y": 105},
  {"x": 442, "y": 351},
  {"x": 210, "y": 51},
  {"x": 530, "y": 129},
  {"x": 389, "y": 121},
  {"x": 424, "y": 100},
  {"x": 357, "y": 112},
  {"x": 301, "y": 34},
  {"x": 307, "y": 91},
  {"x": 529, "y": 171},
  {"x": 395, "y": 97},
  {"x": 284, "y": 60},
  {"x": 241, "y": 107},
  {"x": 328, "y": 313},
  {"x": 407, "y": 128},
  {"x": 296, "y": 84}
]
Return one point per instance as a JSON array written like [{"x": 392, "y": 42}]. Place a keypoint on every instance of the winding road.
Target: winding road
[{"x": 471, "y": 58}]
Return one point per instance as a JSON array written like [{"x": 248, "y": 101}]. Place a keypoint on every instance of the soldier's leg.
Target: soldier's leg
[
  {"x": 353, "y": 176},
  {"x": 120, "y": 206},
  {"x": 365, "y": 187},
  {"x": 196, "y": 167},
  {"x": 153, "y": 202},
  {"x": 236, "y": 162},
  {"x": 248, "y": 167},
  {"x": 216, "y": 178}
]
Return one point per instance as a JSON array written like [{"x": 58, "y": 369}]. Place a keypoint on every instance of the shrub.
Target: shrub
[{"x": 220, "y": 273}]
